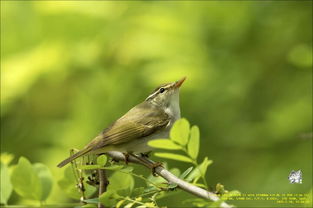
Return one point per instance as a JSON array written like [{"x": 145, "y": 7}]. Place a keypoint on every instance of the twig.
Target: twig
[
  {"x": 167, "y": 175},
  {"x": 103, "y": 184}
]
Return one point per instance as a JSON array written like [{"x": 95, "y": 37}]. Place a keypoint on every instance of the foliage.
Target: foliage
[
  {"x": 6, "y": 186},
  {"x": 186, "y": 139},
  {"x": 30, "y": 181},
  {"x": 80, "y": 180}
]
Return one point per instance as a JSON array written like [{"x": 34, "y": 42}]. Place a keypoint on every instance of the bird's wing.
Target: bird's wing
[{"x": 135, "y": 124}]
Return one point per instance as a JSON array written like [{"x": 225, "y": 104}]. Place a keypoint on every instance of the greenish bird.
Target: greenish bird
[{"x": 151, "y": 119}]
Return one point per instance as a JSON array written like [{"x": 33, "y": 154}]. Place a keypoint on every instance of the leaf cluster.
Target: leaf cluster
[{"x": 30, "y": 181}]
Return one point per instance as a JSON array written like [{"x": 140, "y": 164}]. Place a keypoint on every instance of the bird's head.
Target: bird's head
[{"x": 166, "y": 94}]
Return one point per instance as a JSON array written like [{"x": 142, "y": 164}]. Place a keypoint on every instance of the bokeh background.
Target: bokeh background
[{"x": 69, "y": 69}]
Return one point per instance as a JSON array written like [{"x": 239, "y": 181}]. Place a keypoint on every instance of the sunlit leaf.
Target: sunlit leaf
[
  {"x": 128, "y": 169},
  {"x": 5, "y": 184},
  {"x": 204, "y": 165},
  {"x": 129, "y": 205},
  {"x": 6, "y": 158},
  {"x": 175, "y": 171},
  {"x": 89, "y": 206},
  {"x": 172, "y": 186},
  {"x": 138, "y": 199},
  {"x": 102, "y": 160},
  {"x": 164, "y": 144},
  {"x": 196, "y": 174},
  {"x": 45, "y": 178},
  {"x": 25, "y": 181},
  {"x": 220, "y": 188},
  {"x": 173, "y": 156},
  {"x": 120, "y": 203},
  {"x": 89, "y": 167},
  {"x": 193, "y": 144},
  {"x": 184, "y": 174},
  {"x": 180, "y": 131},
  {"x": 150, "y": 204}
]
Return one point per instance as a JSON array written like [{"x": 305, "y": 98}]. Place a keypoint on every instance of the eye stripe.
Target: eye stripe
[{"x": 157, "y": 91}]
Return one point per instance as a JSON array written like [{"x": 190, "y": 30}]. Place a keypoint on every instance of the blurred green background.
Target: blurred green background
[{"x": 69, "y": 69}]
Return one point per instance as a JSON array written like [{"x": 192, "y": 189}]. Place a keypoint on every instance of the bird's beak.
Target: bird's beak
[{"x": 179, "y": 82}]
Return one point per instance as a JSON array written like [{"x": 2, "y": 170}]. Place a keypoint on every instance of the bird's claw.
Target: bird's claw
[
  {"x": 154, "y": 166},
  {"x": 146, "y": 154},
  {"x": 126, "y": 155}
]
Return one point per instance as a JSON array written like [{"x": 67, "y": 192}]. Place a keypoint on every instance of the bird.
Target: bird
[{"x": 130, "y": 134}]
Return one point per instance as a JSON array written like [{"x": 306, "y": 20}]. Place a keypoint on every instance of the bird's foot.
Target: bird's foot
[
  {"x": 154, "y": 166},
  {"x": 145, "y": 154},
  {"x": 126, "y": 155}
]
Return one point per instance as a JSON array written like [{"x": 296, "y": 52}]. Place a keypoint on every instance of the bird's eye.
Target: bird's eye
[{"x": 162, "y": 90}]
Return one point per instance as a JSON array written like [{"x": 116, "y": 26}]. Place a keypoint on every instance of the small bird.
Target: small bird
[{"x": 151, "y": 119}]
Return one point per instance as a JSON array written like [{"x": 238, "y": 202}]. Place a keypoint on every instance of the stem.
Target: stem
[
  {"x": 104, "y": 182},
  {"x": 197, "y": 166},
  {"x": 143, "y": 178},
  {"x": 202, "y": 175},
  {"x": 131, "y": 200},
  {"x": 78, "y": 177}
]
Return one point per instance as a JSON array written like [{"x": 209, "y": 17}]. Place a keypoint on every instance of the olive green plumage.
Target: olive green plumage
[{"x": 131, "y": 132}]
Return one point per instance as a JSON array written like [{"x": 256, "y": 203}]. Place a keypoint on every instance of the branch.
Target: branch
[
  {"x": 167, "y": 175},
  {"x": 103, "y": 184}
]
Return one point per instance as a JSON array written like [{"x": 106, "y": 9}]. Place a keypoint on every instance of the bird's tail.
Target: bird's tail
[{"x": 74, "y": 156}]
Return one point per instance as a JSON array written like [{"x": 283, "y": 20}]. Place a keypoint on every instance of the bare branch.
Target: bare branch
[{"x": 167, "y": 175}]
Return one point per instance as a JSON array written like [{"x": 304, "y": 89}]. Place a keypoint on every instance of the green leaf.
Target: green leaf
[
  {"x": 6, "y": 158},
  {"x": 5, "y": 184},
  {"x": 138, "y": 191},
  {"x": 92, "y": 201},
  {"x": 193, "y": 144},
  {"x": 196, "y": 174},
  {"x": 89, "y": 206},
  {"x": 164, "y": 144},
  {"x": 184, "y": 174},
  {"x": 89, "y": 167},
  {"x": 120, "y": 203},
  {"x": 129, "y": 205},
  {"x": 180, "y": 131},
  {"x": 121, "y": 181},
  {"x": 128, "y": 169},
  {"x": 108, "y": 198},
  {"x": 102, "y": 160},
  {"x": 204, "y": 165},
  {"x": 150, "y": 204},
  {"x": 68, "y": 183},
  {"x": 45, "y": 178},
  {"x": 25, "y": 181},
  {"x": 173, "y": 156},
  {"x": 113, "y": 167},
  {"x": 175, "y": 171}
]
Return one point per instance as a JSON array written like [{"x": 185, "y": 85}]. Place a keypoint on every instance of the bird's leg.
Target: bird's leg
[
  {"x": 154, "y": 166},
  {"x": 126, "y": 155},
  {"x": 149, "y": 164}
]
